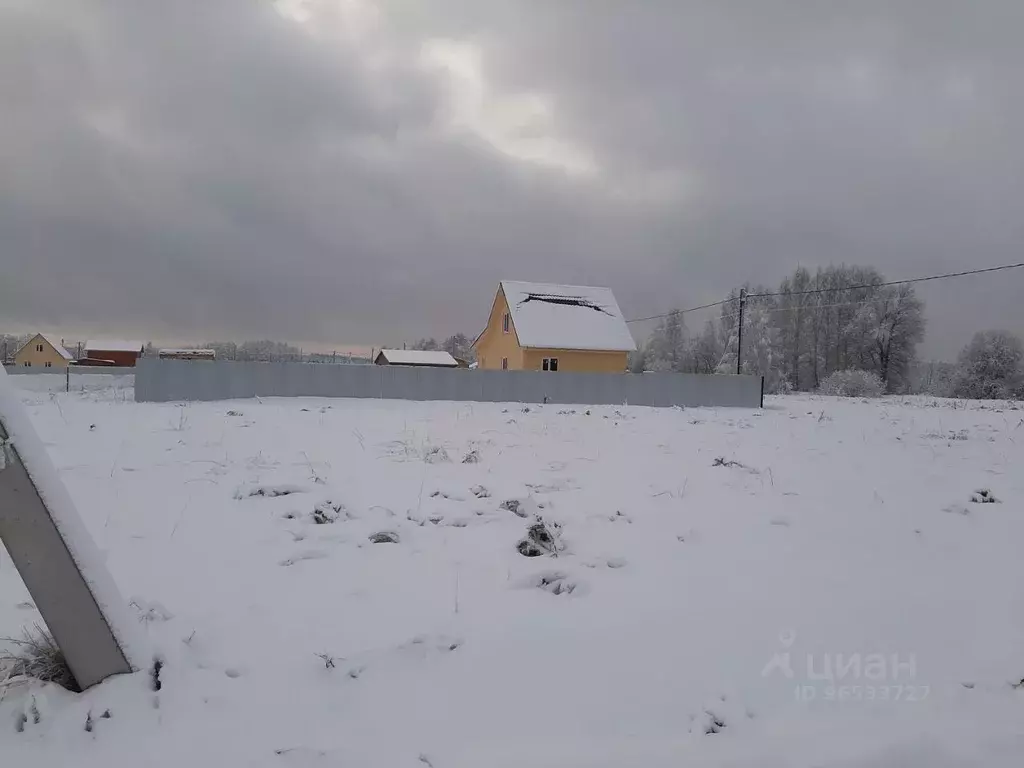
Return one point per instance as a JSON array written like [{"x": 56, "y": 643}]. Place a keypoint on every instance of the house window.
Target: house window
[
  {"x": 28, "y": 364},
  {"x": 39, "y": 347},
  {"x": 48, "y": 364},
  {"x": 504, "y": 361},
  {"x": 550, "y": 364},
  {"x": 506, "y": 323}
]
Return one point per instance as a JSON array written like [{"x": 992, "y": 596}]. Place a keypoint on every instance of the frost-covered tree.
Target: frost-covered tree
[
  {"x": 853, "y": 383},
  {"x": 225, "y": 350},
  {"x": 884, "y": 333},
  {"x": 990, "y": 367},
  {"x": 426, "y": 344},
  {"x": 901, "y": 329},
  {"x": 459, "y": 346},
  {"x": 933, "y": 378},
  {"x": 760, "y": 347},
  {"x": 266, "y": 350},
  {"x": 666, "y": 349},
  {"x": 637, "y": 360},
  {"x": 9, "y": 344},
  {"x": 705, "y": 351}
]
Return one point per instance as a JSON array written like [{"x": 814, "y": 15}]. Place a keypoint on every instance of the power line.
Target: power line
[
  {"x": 891, "y": 282},
  {"x": 806, "y": 308},
  {"x": 928, "y": 278},
  {"x": 680, "y": 311},
  {"x": 813, "y": 307}
]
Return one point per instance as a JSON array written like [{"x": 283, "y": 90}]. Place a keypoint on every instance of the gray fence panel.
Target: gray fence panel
[
  {"x": 99, "y": 370},
  {"x": 173, "y": 380}
]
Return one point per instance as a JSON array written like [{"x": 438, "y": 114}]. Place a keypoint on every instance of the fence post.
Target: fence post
[
  {"x": 67, "y": 377},
  {"x": 53, "y": 552}
]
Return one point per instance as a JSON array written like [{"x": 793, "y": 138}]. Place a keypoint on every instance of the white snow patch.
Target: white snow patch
[
  {"x": 113, "y": 345},
  {"x": 436, "y": 358},
  {"x": 547, "y": 316},
  {"x": 697, "y": 632}
]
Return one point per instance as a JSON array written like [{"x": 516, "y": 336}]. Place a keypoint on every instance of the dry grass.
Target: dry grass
[{"x": 35, "y": 656}]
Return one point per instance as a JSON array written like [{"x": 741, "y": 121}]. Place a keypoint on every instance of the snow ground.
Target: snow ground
[{"x": 688, "y": 598}]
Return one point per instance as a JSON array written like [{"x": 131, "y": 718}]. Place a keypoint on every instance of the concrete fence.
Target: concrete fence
[{"x": 179, "y": 380}]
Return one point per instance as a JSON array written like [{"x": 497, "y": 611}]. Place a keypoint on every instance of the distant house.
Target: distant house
[
  {"x": 544, "y": 327},
  {"x": 187, "y": 354},
  {"x": 420, "y": 358},
  {"x": 113, "y": 352},
  {"x": 43, "y": 351}
]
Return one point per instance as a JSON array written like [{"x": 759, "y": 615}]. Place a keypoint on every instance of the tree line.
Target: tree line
[{"x": 839, "y": 318}]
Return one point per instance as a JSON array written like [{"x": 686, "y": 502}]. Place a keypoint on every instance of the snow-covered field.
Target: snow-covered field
[{"x": 834, "y": 598}]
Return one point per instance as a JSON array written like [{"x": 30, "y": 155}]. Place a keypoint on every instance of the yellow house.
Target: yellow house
[
  {"x": 544, "y": 327},
  {"x": 43, "y": 351}
]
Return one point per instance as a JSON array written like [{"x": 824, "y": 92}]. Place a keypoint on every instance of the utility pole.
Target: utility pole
[{"x": 739, "y": 335}]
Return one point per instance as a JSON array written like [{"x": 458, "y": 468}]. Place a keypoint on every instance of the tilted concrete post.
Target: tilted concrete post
[{"x": 55, "y": 555}]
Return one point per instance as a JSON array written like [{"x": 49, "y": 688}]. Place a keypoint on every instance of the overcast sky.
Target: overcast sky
[{"x": 360, "y": 171}]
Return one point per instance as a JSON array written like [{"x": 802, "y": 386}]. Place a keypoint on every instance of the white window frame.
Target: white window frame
[
  {"x": 27, "y": 364},
  {"x": 48, "y": 364},
  {"x": 549, "y": 364},
  {"x": 506, "y": 323},
  {"x": 39, "y": 347}
]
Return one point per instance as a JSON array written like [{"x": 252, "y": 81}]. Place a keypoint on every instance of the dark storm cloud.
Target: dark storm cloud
[{"x": 221, "y": 169}]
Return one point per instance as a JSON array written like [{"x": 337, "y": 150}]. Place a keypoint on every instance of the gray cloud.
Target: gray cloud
[{"x": 346, "y": 172}]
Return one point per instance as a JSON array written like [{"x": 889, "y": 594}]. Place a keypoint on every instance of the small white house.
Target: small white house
[{"x": 421, "y": 358}]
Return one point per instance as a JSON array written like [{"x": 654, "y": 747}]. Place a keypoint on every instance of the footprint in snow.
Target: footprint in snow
[
  {"x": 424, "y": 644},
  {"x": 957, "y": 509},
  {"x": 451, "y": 495},
  {"x": 555, "y": 582},
  {"x": 614, "y": 563},
  {"x": 313, "y": 554},
  {"x": 267, "y": 491}
]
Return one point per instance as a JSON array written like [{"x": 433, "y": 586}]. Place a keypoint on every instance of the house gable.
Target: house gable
[
  {"x": 494, "y": 345},
  {"x": 42, "y": 351}
]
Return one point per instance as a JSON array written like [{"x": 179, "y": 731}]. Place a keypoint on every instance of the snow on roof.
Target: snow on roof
[
  {"x": 419, "y": 357},
  {"x": 549, "y": 316},
  {"x": 53, "y": 341},
  {"x": 113, "y": 345}
]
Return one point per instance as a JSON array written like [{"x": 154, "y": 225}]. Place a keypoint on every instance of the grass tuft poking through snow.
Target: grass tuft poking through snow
[
  {"x": 36, "y": 656},
  {"x": 541, "y": 539},
  {"x": 984, "y": 496},
  {"x": 155, "y": 682}
]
